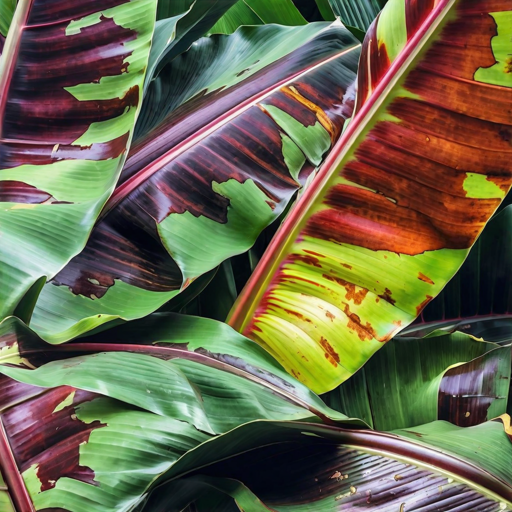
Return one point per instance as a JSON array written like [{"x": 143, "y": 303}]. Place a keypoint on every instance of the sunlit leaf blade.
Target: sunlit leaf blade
[
  {"x": 70, "y": 88},
  {"x": 400, "y": 200},
  {"x": 185, "y": 340},
  {"x": 478, "y": 300},
  {"x": 409, "y": 382},
  {"x": 250, "y": 116},
  {"x": 299, "y": 467},
  {"x": 90, "y": 430}
]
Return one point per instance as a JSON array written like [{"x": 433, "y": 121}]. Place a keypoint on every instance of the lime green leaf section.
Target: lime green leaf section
[
  {"x": 501, "y": 72},
  {"x": 183, "y": 234}
]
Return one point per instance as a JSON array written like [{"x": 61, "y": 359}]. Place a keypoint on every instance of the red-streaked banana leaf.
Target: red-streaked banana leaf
[
  {"x": 263, "y": 107},
  {"x": 91, "y": 430},
  {"x": 71, "y": 77},
  {"x": 7, "y": 8},
  {"x": 478, "y": 300},
  {"x": 451, "y": 377},
  {"x": 296, "y": 467},
  {"x": 392, "y": 214}
]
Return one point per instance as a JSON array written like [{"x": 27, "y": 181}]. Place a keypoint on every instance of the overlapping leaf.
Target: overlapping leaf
[
  {"x": 451, "y": 377},
  {"x": 71, "y": 78},
  {"x": 298, "y": 467},
  {"x": 90, "y": 430},
  {"x": 400, "y": 200},
  {"x": 252, "y": 114}
]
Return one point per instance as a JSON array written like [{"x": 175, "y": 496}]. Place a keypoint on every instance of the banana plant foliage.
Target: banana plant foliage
[
  {"x": 88, "y": 426},
  {"x": 234, "y": 126},
  {"x": 400, "y": 200},
  {"x": 450, "y": 377},
  {"x": 71, "y": 80}
]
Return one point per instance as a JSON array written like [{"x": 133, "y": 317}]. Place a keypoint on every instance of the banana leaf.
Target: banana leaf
[
  {"x": 245, "y": 119},
  {"x": 450, "y": 377},
  {"x": 180, "y": 23},
  {"x": 478, "y": 300},
  {"x": 295, "y": 467},
  {"x": 71, "y": 79},
  {"x": 400, "y": 200},
  {"x": 91, "y": 430}
]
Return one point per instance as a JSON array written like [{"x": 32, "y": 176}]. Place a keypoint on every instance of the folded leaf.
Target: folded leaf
[
  {"x": 451, "y": 377},
  {"x": 395, "y": 208},
  {"x": 260, "y": 109},
  {"x": 297, "y": 467},
  {"x": 92, "y": 429},
  {"x": 70, "y": 88}
]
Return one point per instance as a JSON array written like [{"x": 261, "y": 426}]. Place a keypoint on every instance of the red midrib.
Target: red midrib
[
  {"x": 12, "y": 476},
  {"x": 135, "y": 181}
]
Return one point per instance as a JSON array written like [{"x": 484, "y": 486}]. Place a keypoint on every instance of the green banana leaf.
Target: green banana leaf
[
  {"x": 234, "y": 127},
  {"x": 93, "y": 428},
  {"x": 70, "y": 93},
  {"x": 357, "y": 13},
  {"x": 451, "y": 377},
  {"x": 296, "y": 467},
  {"x": 400, "y": 200}
]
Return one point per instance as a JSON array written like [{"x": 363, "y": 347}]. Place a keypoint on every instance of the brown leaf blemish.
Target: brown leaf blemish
[
  {"x": 424, "y": 278},
  {"x": 330, "y": 354}
]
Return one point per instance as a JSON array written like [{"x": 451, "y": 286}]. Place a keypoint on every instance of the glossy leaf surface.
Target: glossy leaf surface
[
  {"x": 451, "y": 377},
  {"x": 399, "y": 201},
  {"x": 251, "y": 116},
  {"x": 298, "y": 467},
  {"x": 181, "y": 22},
  {"x": 90, "y": 430},
  {"x": 478, "y": 300},
  {"x": 71, "y": 77}
]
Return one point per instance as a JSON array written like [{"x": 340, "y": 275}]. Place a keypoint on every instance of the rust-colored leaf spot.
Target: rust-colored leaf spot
[
  {"x": 297, "y": 314},
  {"x": 508, "y": 65},
  {"x": 419, "y": 308},
  {"x": 387, "y": 296},
  {"x": 352, "y": 293},
  {"x": 346, "y": 265},
  {"x": 330, "y": 354},
  {"x": 307, "y": 259},
  {"x": 426, "y": 279},
  {"x": 316, "y": 254},
  {"x": 364, "y": 332},
  {"x": 330, "y": 316}
]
